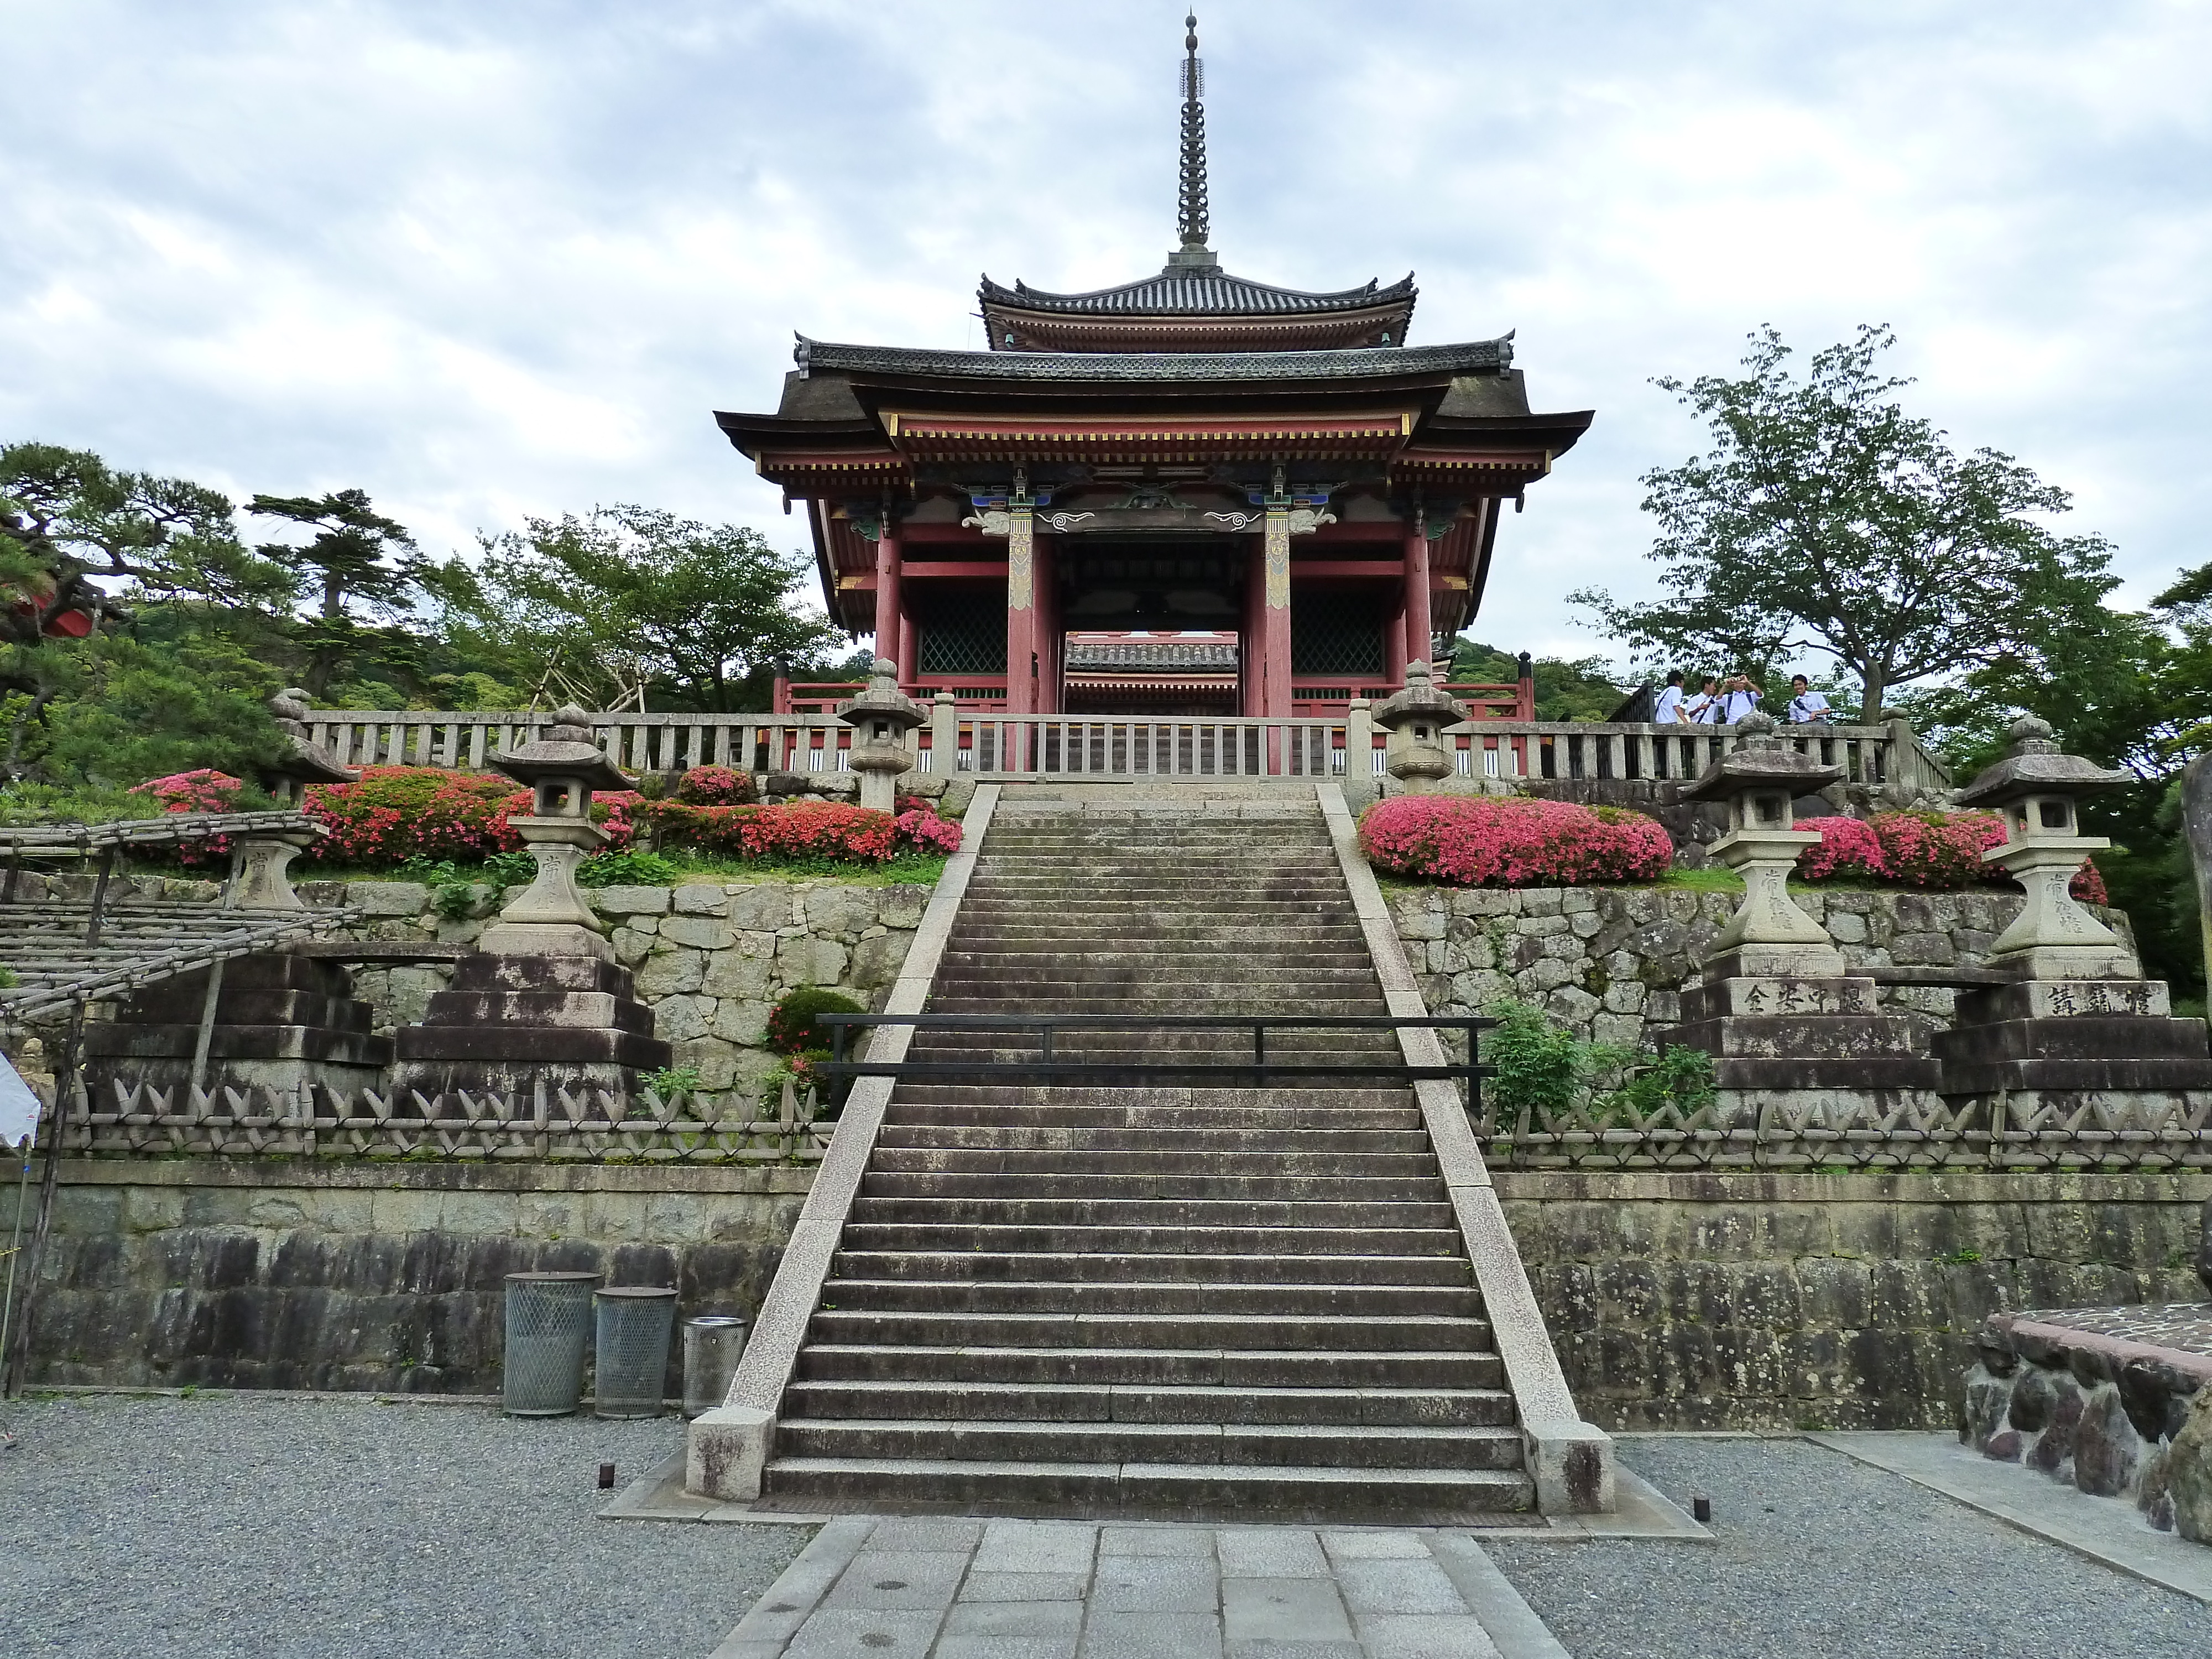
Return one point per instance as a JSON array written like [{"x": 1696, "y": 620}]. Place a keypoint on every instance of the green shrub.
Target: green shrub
[
  {"x": 791, "y": 1023},
  {"x": 1541, "y": 1070},
  {"x": 1682, "y": 1077},
  {"x": 626, "y": 870}
]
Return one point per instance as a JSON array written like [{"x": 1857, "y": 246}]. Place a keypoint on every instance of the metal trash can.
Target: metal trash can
[
  {"x": 713, "y": 1344},
  {"x": 635, "y": 1323},
  {"x": 549, "y": 1321}
]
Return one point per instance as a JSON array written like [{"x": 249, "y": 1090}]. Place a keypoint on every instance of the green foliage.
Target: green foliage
[
  {"x": 671, "y": 1081},
  {"x": 628, "y": 600},
  {"x": 10, "y": 979},
  {"x": 1565, "y": 691},
  {"x": 626, "y": 870},
  {"x": 356, "y": 559},
  {"x": 1541, "y": 1069},
  {"x": 791, "y": 1023},
  {"x": 458, "y": 891},
  {"x": 1825, "y": 519},
  {"x": 1681, "y": 1078}
]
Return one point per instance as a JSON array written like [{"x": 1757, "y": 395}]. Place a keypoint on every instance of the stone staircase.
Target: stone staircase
[{"x": 1184, "y": 1302}]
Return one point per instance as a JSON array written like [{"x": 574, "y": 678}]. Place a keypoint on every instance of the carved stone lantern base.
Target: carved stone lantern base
[
  {"x": 551, "y": 917},
  {"x": 509, "y": 1024}
]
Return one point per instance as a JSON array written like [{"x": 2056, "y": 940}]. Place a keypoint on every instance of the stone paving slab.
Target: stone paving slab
[{"x": 920, "y": 1588}]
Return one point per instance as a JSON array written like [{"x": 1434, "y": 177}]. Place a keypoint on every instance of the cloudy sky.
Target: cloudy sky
[{"x": 491, "y": 259}]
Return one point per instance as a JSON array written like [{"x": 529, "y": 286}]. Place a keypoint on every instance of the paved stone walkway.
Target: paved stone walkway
[{"x": 877, "y": 1588}]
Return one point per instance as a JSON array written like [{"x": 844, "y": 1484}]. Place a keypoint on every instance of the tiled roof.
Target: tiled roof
[
  {"x": 1196, "y": 293},
  {"x": 1470, "y": 357}
]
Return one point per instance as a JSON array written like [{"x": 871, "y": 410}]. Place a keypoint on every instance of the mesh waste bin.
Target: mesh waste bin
[
  {"x": 549, "y": 1321},
  {"x": 635, "y": 1323},
  {"x": 713, "y": 1344}
]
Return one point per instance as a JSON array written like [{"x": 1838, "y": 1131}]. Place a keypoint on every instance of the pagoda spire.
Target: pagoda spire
[{"x": 1190, "y": 198}]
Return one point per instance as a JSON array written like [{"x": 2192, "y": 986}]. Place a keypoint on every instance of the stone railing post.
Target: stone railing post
[{"x": 944, "y": 734}]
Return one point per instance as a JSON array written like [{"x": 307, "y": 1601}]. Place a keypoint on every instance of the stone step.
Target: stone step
[
  {"x": 1071, "y": 1268},
  {"x": 1294, "y": 1149},
  {"x": 1289, "y": 1097},
  {"x": 1262, "y": 1001},
  {"x": 1247, "y": 1332},
  {"x": 1154, "y": 1491},
  {"x": 891, "y": 1158},
  {"x": 1140, "y": 1296},
  {"x": 1136, "y": 954},
  {"x": 1064, "y": 1402},
  {"x": 1074, "y": 1238},
  {"x": 1175, "y": 1367},
  {"x": 1087, "y": 1185},
  {"x": 1232, "y": 1443},
  {"x": 1106, "y": 1212},
  {"x": 1202, "y": 1119}
]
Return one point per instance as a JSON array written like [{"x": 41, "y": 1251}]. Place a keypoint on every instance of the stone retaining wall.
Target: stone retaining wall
[
  {"x": 711, "y": 957},
  {"x": 1677, "y": 1301},
  {"x": 1687, "y": 1301},
  {"x": 1609, "y": 962},
  {"x": 370, "y": 1276}
]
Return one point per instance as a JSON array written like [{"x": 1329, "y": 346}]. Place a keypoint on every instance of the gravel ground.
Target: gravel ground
[
  {"x": 219, "y": 1528},
  {"x": 1821, "y": 1556}
]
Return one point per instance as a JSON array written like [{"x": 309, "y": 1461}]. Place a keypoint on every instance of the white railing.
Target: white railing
[{"x": 1113, "y": 745}]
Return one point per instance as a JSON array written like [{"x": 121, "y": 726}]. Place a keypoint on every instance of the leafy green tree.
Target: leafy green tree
[
  {"x": 1565, "y": 691},
  {"x": 1824, "y": 521},
  {"x": 628, "y": 602},
  {"x": 356, "y": 561},
  {"x": 69, "y": 522}
]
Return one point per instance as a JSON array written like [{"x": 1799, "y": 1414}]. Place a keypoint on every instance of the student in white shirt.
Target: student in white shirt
[
  {"x": 1704, "y": 708},
  {"x": 1807, "y": 705},
  {"x": 1667, "y": 710},
  {"x": 1740, "y": 700}
]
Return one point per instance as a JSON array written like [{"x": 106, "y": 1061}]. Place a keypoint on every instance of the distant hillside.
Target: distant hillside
[{"x": 1564, "y": 690}]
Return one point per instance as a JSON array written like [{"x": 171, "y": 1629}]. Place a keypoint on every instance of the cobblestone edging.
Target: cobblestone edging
[
  {"x": 711, "y": 957},
  {"x": 1611, "y": 961}
]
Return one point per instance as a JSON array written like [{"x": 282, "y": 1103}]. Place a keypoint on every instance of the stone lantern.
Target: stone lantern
[
  {"x": 2035, "y": 787},
  {"x": 1759, "y": 779},
  {"x": 263, "y": 882},
  {"x": 561, "y": 769},
  {"x": 1416, "y": 719},
  {"x": 883, "y": 719}
]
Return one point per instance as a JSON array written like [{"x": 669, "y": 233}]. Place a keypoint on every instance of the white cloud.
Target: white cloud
[{"x": 503, "y": 258}]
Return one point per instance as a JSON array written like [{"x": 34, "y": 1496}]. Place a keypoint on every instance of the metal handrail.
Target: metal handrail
[{"x": 1045, "y": 1026}]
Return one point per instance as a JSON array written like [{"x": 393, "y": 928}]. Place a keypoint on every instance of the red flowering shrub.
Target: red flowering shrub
[
  {"x": 399, "y": 813},
  {"x": 1483, "y": 842},
  {"x": 1919, "y": 849},
  {"x": 1849, "y": 851},
  {"x": 204, "y": 791},
  {"x": 921, "y": 830},
  {"x": 800, "y": 829},
  {"x": 716, "y": 785}
]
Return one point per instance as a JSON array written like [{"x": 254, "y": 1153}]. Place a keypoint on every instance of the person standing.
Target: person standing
[
  {"x": 1704, "y": 708},
  {"x": 1807, "y": 705},
  {"x": 1668, "y": 709},
  {"x": 1740, "y": 699}
]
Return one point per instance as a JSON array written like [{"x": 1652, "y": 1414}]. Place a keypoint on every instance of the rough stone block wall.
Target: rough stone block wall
[
  {"x": 383, "y": 1277},
  {"x": 1776, "y": 1301},
  {"x": 1611, "y": 961},
  {"x": 1678, "y": 1301},
  {"x": 711, "y": 957}
]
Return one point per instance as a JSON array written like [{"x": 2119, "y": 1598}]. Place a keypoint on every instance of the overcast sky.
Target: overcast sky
[{"x": 492, "y": 259}]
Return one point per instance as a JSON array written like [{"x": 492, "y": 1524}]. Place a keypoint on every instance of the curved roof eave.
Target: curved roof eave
[{"x": 1196, "y": 292}]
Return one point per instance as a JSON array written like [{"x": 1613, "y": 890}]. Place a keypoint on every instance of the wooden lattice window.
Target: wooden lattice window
[
  {"x": 963, "y": 630},
  {"x": 1336, "y": 633}
]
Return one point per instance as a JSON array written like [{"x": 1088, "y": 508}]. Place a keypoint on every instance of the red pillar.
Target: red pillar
[
  {"x": 1394, "y": 644},
  {"x": 910, "y": 643},
  {"x": 888, "y": 617},
  {"x": 1417, "y": 641},
  {"x": 1275, "y": 616},
  {"x": 1021, "y": 612}
]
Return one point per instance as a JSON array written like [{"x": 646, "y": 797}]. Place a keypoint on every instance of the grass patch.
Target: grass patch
[{"x": 1712, "y": 878}]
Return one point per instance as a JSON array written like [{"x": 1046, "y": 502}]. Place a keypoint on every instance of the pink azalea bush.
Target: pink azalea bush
[
  {"x": 1485, "y": 841},
  {"x": 204, "y": 791},
  {"x": 715, "y": 785},
  {"x": 1918, "y": 849},
  {"x": 921, "y": 830}
]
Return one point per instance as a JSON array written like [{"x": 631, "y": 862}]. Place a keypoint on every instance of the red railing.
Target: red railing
[
  {"x": 1486, "y": 700},
  {"x": 976, "y": 691}
]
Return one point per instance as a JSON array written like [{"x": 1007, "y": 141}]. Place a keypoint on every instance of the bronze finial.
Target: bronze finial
[{"x": 1191, "y": 198}]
